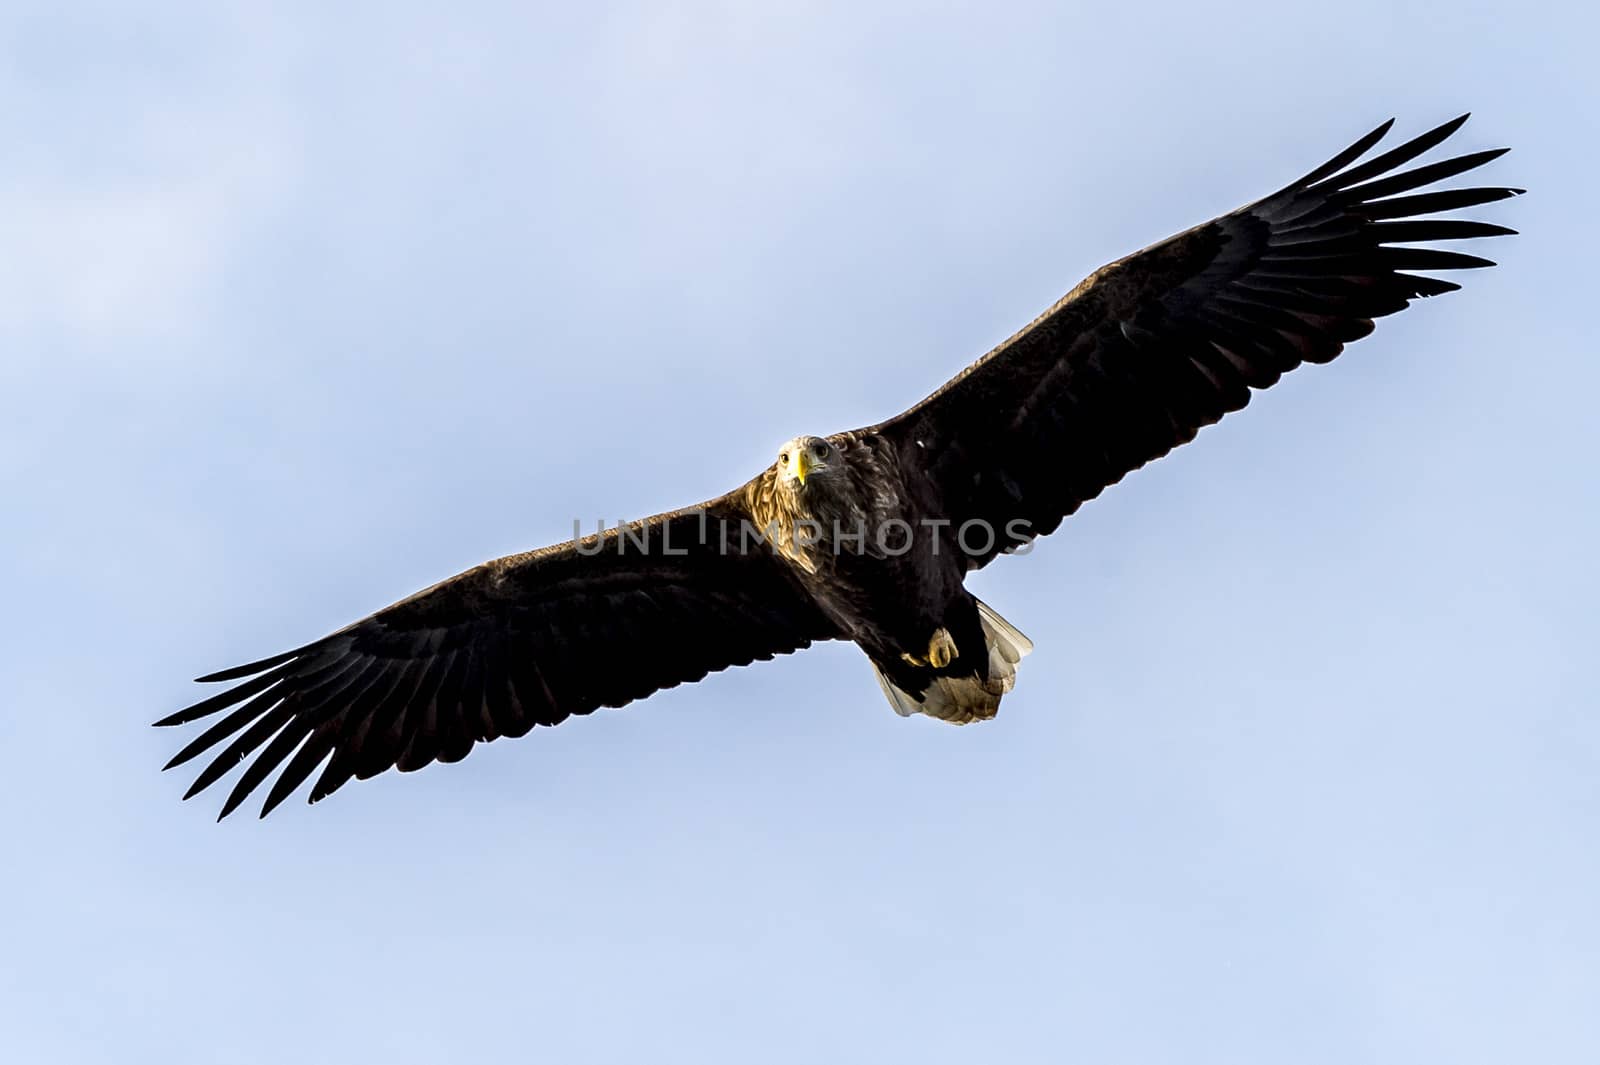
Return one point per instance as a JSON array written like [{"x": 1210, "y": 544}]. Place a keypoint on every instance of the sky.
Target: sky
[{"x": 304, "y": 307}]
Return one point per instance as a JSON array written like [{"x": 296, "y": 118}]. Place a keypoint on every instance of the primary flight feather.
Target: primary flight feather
[{"x": 866, "y": 535}]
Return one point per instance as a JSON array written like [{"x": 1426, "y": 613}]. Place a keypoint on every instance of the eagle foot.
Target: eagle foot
[{"x": 941, "y": 651}]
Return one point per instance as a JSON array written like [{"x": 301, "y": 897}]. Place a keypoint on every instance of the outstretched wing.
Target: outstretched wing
[
  {"x": 525, "y": 640},
  {"x": 1146, "y": 351}
]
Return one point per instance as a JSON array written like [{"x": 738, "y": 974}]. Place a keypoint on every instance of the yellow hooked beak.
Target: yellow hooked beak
[{"x": 802, "y": 464}]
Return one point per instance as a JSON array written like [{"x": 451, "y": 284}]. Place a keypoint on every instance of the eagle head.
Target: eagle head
[{"x": 806, "y": 459}]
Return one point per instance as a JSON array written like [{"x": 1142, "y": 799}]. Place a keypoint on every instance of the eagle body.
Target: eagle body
[
  {"x": 872, "y": 550},
  {"x": 867, "y": 535}
]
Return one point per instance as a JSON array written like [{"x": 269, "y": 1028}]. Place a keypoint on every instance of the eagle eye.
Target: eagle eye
[
  {"x": 783, "y": 458},
  {"x": 821, "y": 450}
]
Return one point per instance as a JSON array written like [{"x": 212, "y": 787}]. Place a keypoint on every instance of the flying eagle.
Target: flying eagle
[{"x": 866, "y": 535}]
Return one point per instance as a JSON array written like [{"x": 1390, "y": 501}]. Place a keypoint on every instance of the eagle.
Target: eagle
[{"x": 866, "y": 535}]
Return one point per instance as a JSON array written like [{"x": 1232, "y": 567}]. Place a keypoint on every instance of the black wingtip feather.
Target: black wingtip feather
[
  {"x": 1407, "y": 180},
  {"x": 1392, "y": 158},
  {"x": 1431, "y": 229},
  {"x": 1431, "y": 259},
  {"x": 250, "y": 668},
  {"x": 196, "y": 788},
  {"x": 1346, "y": 157},
  {"x": 1430, "y": 286},
  {"x": 183, "y": 756},
  {"x": 1424, "y": 203},
  {"x": 235, "y": 799},
  {"x": 222, "y": 700}
]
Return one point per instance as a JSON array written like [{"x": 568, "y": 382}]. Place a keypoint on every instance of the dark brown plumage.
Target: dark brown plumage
[{"x": 1130, "y": 364}]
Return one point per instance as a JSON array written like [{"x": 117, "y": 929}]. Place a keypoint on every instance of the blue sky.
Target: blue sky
[{"x": 303, "y": 309}]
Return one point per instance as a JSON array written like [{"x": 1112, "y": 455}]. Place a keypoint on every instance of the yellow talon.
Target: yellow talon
[{"x": 941, "y": 651}]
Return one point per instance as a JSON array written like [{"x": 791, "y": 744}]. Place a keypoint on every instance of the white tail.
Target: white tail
[{"x": 962, "y": 700}]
